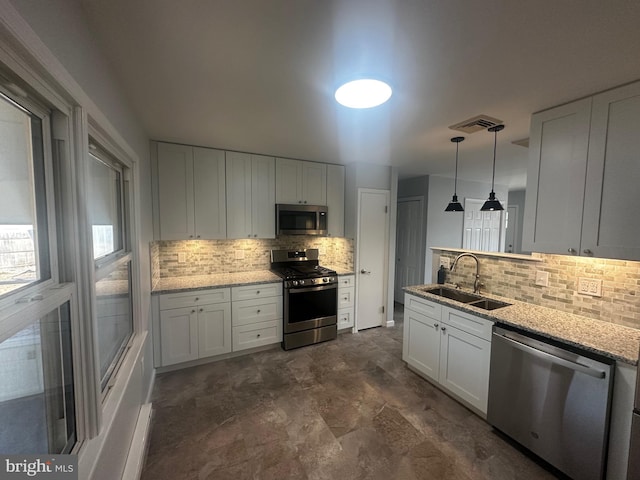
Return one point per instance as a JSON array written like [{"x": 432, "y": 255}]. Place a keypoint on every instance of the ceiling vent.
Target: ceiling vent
[{"x": 475, "y": 124}]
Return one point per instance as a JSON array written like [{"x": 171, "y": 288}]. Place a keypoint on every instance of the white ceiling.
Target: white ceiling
[{"x": 259, "y": 75}]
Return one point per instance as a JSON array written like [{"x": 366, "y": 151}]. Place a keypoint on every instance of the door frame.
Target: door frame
[{"x": 385, "y": 276}]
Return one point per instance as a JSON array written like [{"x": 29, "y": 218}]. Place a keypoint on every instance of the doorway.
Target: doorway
[
  {"x": 372, "y": 257},
  {"x": 409, "y": 245}
]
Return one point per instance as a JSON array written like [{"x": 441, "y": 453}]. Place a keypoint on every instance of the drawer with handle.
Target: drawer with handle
[
  {"x": 245, "y": 312},
  {"x": 256, "y": 335}
]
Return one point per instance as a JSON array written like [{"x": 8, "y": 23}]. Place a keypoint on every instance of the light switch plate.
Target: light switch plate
[
  {"x": 590, "y": 286},
  {"x": 239, "y": 254},
  {"x": 445, "y": 262},
  {"x": 542, "y": 278},
  {"x": 182, "y": 257}
]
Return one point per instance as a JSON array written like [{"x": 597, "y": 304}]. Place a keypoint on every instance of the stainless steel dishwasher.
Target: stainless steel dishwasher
[{"x": 552, "y": 399}]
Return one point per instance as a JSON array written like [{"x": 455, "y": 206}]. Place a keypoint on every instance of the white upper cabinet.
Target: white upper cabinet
[
  {"x": 335, "y": 200},
  {"x": 191, "y": 192},
  {"x": 209, "y": 193},
  {"x": 582, "y": 178},
  {"x": 610, "y": 229},
  {"x": 558, "y": 146},
  {"x": 250, "y": 196},
  {"x": 301, "y": 182}
]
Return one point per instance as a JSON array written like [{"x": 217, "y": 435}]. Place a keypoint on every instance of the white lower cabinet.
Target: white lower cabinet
[
  {"x": 206, "y": 323},
  {"x": 346, "y": 301},
  {"x": 194, "y": 325},
  {"x": 257, "y": 315},
  {"x": 450, "y": 347}
]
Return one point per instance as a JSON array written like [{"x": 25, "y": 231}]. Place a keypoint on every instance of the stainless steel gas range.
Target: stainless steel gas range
[{"x": 310, "y": 297}]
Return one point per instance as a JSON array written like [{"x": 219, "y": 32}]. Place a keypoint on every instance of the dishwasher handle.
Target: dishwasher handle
[{"x": 548, "y": 356}]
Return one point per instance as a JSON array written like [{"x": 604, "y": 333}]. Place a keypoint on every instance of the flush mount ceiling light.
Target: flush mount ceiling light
[
  {"x": 492, "y": 203},
  {"x": 364, "y": 93},
  {"x": 454, "y": 204}
]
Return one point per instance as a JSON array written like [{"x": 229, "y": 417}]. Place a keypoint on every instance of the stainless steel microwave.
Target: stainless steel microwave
[{"x": 301, "y": 219}]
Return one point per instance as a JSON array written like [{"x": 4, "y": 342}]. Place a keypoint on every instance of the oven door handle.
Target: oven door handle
[{"x": 312, "y": 289}]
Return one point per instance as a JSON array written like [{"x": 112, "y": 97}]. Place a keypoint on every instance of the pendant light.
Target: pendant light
[
  {"x": 492, "y": 203},
  {"x": 454, "y": 204}
]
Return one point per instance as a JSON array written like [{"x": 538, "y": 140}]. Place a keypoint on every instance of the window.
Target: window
[
  {"x": 37, "y": 401},
  {"x": 24, "y": 242},
  {"x": 107, "y": 207}
]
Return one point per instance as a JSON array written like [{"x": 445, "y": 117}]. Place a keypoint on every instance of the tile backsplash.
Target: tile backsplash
[
  {"x": 513, "y": 278},
  {"x": 203, "y": 257}
]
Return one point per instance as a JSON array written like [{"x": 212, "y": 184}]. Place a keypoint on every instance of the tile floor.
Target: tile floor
[{"x": 345, "y": 409}]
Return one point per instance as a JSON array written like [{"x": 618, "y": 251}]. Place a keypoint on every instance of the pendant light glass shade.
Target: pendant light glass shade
[
  {"x": 493, "y": 204},
  {"x": 454, "y": 204}
]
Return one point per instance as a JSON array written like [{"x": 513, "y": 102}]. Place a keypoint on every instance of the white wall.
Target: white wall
[{"x": 63, "y": 38}]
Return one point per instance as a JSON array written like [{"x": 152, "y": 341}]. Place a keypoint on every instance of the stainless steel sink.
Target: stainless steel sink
[
  {"x": 457, "y": 295},
  {"x": 468, "y": 298},
  {"x": 488, "y": 304}
]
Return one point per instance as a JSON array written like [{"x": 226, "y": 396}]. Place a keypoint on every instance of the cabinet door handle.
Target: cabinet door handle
[
  {"x": 202, "y": 309},
  {"x": 255, "y": 235},
  {"x": 190, "y": 236},
  {"x": 197, "y": 298},
  {"x": 586, "y": 251},
  {"x": 258, "y": 335},
  {"x": 444, "y": 329},
  {"x": 193, "y": 311},
  {"x": 258, "y": 292},
  {"x": 572, "y": 250},
  {"x": 197, "y": 236},
  {"x": 436, "y": 325},
  {"x": 258, "y": 311}
]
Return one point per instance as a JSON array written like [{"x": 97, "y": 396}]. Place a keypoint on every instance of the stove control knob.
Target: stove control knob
[
  {"x": 313, "y": 280},
  {"x": 325, "y": 279},
  {"x": 295, "y": 283},
  {"x": 331, "y": 279}
]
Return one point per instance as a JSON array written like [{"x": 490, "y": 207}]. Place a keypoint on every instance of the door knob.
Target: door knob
[{"x": 365, "y": 272}]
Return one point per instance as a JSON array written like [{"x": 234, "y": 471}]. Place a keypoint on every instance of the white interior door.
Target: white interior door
[
  {"x": 408, "y": 249},
  {"x": 482, "y": 230},
  {"x": 511, "y": 227},
  {"x": 372, "y": 257}
]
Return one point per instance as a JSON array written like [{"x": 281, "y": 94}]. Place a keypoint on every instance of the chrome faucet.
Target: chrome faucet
[{"x": 476, "y": 283}]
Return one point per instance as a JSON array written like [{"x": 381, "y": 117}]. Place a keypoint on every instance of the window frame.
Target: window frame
[
  {"x": 24, "y": 294},
  {"x": 99, "y": 147}
]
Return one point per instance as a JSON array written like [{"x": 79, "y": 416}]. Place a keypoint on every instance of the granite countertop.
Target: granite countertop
[
  {"x": 219, "y": 280},
  {"x": 340, "y": 270},
  {"x": 614, "y": 341}
]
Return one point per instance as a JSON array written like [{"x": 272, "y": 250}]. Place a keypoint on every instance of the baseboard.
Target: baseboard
[
  {"x": 391, "y": 323},
  {"x": 151, "y": 385},
  {"x": 139, "y": 444}
]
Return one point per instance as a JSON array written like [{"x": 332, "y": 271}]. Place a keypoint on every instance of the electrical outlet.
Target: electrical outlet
[
  {"x": 542, "y": 278},
  {"x": 590, "y": 286},
  {"x": 182, "y": 257},
  {"x": 445, "y": 262},
  {"x": 239, "y": 254}
]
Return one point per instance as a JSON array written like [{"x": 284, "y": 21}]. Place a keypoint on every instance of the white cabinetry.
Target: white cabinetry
[
  {"x": 450, "y": 347},
  {"x": 582, "y": 175},
  {"x": 335, "y": 200},
  {"x": 251, "y": 198},
  {"x": 301, "y": 182},
  {"x": 190, "y": 192},
  {"x": 346, "y": 301},
  {"x": 257, "y": 315},
  {"x": 194, "y": 325}
]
